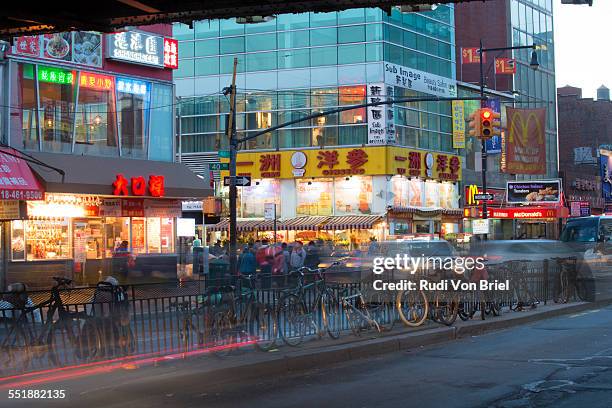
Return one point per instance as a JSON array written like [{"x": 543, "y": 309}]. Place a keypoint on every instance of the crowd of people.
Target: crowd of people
[{"x": 273, "y": 261}]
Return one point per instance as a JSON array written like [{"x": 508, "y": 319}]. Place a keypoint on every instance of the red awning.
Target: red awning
[{"x": 17, "y": 181}]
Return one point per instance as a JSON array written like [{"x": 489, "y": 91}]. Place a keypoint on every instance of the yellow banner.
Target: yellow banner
[
  {"x": 458, "y": 125},
  {"x": 342, "y": 162}
]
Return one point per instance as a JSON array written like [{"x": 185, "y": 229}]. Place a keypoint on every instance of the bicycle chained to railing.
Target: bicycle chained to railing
[
  {"x": 27, "y": 339},
  {"x": 366, "y": 309},
  {"x": 228, "y": 315},
  {"x": 295, "y": 314}
]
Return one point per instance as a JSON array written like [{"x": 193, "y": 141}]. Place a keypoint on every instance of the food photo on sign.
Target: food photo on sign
[{"x": 534, "y": 192}]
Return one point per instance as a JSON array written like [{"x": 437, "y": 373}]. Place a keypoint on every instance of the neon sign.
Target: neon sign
[
  {"x": 132, "y": 86},
  {"x": 96, "y": 81},
  {"x": 55, "y": 75},
  {"x": 138, "y": 186}
]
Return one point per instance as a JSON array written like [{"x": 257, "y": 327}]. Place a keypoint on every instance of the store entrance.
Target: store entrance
[{"x": 531, "y": 230}]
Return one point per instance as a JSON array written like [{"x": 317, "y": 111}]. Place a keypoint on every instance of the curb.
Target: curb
[{"x": 301, "y": 360}]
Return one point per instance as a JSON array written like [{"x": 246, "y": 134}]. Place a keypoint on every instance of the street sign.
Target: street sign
[
  {"x": 269, "y": 211},
  {"x": 480, "y": 226},
  {"x": 483, "y": 197},
  {"x": 241, "y": 181},
  {"x": 219, "y": 166},
  {"x": 224, "y": 154}
]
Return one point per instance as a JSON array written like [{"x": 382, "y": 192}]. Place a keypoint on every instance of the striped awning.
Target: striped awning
[
  {"x": 241, "y": 225},
  {"x": 311, "y": 223},
  {"x": 351, "y": 222}
]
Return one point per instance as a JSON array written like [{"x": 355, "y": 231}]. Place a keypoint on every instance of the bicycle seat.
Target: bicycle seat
[{"x": 60, "y": 281}]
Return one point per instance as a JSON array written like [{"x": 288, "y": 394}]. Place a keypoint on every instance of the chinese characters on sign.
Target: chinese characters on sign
[
  {"x": 138, "y": 186},
  {"x": 270, "y": 165},
  {"x": 381, "y": 127},
  {"x": 170, "y": 53},
  {"x": 78, "y": 47},
  {"x": 458, "y": 125},
  {"x": 55, "y": 75},
  {"x": 143, "y": 48},
  {"x": 355, "y": 159},
  {"x": 96, "y": 81},
  {"x": 28, "y": 45},
  {"x": 132, "y": 86},
  {"x": 437, "y": 166}
]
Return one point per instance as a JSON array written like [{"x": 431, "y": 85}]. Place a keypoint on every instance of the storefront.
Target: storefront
[
  {"x": 360, "y": 184},
  {"x": 106, "y": 216}
]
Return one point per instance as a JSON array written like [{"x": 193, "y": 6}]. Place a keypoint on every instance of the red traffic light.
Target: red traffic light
[{"x": 486, "y": 114}]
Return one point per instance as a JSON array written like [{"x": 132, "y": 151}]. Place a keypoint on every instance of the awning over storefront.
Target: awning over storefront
[
  {"x": 305, "y": 223},
  {"x": 449, "y": 212},
  {"x": 241, "y": 225},
  {"x": 351, "y": 222},
  {"x": 95, "y": 175},
  {"x": 17, "y": 182}
]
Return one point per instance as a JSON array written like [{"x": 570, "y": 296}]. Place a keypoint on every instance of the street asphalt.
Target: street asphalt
[{"x": 562, "y": 362}]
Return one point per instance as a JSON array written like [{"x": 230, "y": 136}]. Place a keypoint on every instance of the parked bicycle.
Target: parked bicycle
[
  {"x": 296, "y": 314},
  {"x": 567, "y": 286},
  {"x": 63, "y": 334}
]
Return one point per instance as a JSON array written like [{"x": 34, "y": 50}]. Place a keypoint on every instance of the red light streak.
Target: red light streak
[{"x": 99, "y": 367}]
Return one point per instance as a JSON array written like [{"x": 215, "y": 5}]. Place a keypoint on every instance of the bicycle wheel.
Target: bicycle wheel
[
  {"x": 291, "y": 317},
  {"x": 447, "y": 308},
  {"x": 331, "y": 313},
  {"x": 561, "y": 288},
  {"x": 263, "y": 326},
  {"x": 222, "y": 335},
  {"x": 126, "y": 340},
  {"x": 412, "y": 307},
  {"x": 381, "y": 309},
  {"x": 15, "y": 352},
  {"x": 88, "y": 344}
]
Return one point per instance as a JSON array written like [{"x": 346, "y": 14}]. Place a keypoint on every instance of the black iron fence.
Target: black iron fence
[{"x": 100, "y": 323}]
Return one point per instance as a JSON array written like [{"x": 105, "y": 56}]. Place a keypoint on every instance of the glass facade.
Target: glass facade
[
  {"x": 532, "y": 23},
  {"x": 306, "y": 63},
  {"x": 89, "y": 113}
]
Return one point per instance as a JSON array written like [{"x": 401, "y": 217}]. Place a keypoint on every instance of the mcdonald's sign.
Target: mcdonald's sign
[
  {"x": 472, "y": 189},
  {"x": 525, "y": 141}
]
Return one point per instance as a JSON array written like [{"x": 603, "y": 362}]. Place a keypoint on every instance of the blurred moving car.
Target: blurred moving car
[
  {"x": 591, "y": 239},
  {"x": 534, "y": 251}
]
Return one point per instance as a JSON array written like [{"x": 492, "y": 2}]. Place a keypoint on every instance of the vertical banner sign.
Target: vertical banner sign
[
  {"x": 493, "y": 145},
  {"x": 525, "y": 142},
  {"x": 470, "y": 56},
  {"x": 458, "y": 125},
  {"x": 381, "y": 129},
  {"x": 606, "y": 176},
  {"x": 505, "y": 66}
]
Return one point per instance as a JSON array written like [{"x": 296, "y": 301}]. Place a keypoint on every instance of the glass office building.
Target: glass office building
[
  {"x": 297, "y": 64},
  {"x": 363, "y": 162}
]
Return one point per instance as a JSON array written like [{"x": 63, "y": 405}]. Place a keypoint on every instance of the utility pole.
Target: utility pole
[
  {"x": 233, "y": 192},
  {"x": 483, "y": 143}
]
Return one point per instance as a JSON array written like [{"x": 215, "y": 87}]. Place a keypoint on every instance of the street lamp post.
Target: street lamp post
[{"x": 483, "y": 145}]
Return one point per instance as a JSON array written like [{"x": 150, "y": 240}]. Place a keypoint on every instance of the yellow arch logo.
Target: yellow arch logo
[
  {"x": 517, "y": 121},
  {"x": 472, "y": 189}
]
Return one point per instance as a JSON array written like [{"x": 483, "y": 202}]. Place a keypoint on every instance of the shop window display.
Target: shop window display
[
  {"x": 353, "y": 195},
  {"x": 47, "y": 239},
  {"x": 254, "y": 198},
  {"x": 314, "y": 197}
]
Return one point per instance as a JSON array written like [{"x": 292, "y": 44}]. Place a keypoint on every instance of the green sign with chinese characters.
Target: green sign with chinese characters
[{"x": 55, "y": 75}]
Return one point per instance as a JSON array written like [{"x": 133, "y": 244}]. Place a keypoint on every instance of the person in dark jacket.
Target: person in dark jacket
[
  {"x": 246, "y": 262},
  {"x": 312, "y": 260}
]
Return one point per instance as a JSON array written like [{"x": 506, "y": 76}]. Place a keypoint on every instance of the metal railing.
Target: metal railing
[{"x": 153, "y": 318}]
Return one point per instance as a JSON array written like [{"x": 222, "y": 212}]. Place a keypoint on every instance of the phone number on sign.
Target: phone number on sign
[{"x": 37, "y": 394}]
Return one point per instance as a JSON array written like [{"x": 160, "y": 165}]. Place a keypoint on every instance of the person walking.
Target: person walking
[
  {"x": 278, "y": 266},
  {"x": 246, "y": 262},
  {"x": 312, "y": 256},
  {"x": 298, "y": 256}
]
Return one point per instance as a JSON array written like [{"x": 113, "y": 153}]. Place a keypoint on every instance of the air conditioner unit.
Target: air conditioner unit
[{"x": 415, "y": 8}]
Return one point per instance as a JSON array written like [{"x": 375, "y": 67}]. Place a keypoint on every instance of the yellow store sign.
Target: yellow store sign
[{"x": 339, "y": 162}]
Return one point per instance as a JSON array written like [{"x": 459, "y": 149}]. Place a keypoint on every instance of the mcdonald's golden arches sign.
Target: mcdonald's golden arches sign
[{"x": 525, "y": 141}]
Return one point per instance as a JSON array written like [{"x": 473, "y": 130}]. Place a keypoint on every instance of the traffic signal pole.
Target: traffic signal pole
[
  {"x": 483, "y": 144},
  {"x": 233, "y": 191}
]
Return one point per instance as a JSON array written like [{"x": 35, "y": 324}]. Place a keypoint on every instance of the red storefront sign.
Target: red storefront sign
[
  {"x": 17, "y": 182},
  {"x": 170, "y": 53},
  {"x": 524, "y": 213},
  {"x": 121, "y": 187}
]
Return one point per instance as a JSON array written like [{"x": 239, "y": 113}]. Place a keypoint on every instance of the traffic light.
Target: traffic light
[
  {"x": 490, "y": 123},
  {"x": 474, "y": 124}
]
